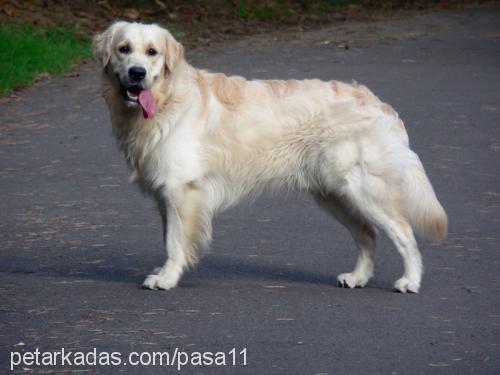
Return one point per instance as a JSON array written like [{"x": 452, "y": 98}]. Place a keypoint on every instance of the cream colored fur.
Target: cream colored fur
[{"x": 216, "y": 140}]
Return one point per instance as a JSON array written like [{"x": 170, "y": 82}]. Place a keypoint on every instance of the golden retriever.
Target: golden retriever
[{"x": 199, "y": 142}]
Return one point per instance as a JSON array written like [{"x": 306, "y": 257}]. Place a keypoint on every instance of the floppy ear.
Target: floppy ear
[
  {"x": 174, "y": 54},
  {"x": 101, "y": 44}
]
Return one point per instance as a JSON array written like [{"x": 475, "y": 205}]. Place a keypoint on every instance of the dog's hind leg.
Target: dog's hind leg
[
  {"x": 400, "y": 233},
  {"x": 373, "y": 198},
  {"x": 188, "y": 227},
  {"x": 363, "y": 234}
]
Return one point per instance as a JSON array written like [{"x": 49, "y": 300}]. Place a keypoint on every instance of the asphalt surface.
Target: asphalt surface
[{"x": 77, "y": 240}]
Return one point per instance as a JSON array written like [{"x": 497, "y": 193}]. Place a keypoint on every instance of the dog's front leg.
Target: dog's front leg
[{"x": 187, "y": 223}]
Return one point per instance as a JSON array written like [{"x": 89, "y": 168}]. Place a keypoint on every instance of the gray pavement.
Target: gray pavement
[{"x": 77, "y": 240}]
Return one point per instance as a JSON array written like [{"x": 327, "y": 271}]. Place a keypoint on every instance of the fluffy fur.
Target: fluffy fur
[{"x": 217, "y": 139}]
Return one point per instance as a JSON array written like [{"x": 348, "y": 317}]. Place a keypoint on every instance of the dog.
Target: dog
[{"x": 199, "y": 142}]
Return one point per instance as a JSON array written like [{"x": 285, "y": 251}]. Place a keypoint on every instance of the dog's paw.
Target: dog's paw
[
  {"x": 405, "y": 285},
  {"x": 155, "y": 281},
  {"x": 351, "y": 280}
]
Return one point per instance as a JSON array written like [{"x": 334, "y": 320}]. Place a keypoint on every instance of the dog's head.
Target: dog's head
[{"x": 137, "y": 57}]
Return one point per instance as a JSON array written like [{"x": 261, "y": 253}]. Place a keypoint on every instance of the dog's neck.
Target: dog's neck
[{"x": 132, "y": 130}]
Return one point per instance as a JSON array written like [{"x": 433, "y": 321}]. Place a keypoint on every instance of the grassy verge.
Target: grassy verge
[{"x": 27, "y": 52}]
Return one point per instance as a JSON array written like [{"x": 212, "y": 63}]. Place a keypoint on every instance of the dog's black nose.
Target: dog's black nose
[{"x": 136, "y": 73}]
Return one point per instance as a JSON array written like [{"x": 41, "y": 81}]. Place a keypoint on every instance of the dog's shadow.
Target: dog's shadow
[
  {"x": 222, "y": 268},
  {"x": 212, "y": 267}
]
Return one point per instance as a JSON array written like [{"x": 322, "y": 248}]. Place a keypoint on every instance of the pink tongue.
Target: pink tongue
[{"x": 148, "y": 103}]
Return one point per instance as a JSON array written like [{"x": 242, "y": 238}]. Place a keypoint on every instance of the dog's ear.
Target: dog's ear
[
  {"x": 174, "y": 53},
  {"x": 101, "y": 43}
]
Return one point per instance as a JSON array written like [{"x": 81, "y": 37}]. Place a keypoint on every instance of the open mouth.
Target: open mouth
[
  {"x": 131, "y": 94},
  {"x": 138, "y": 95}
]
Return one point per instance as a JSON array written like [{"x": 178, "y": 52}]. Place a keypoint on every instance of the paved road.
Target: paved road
[{"x": 77, "y": 240}]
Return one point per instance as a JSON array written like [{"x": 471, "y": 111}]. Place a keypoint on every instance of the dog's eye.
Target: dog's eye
[
  {"x": 152, "y": 52},
  {"x": 124, "y": 49}
]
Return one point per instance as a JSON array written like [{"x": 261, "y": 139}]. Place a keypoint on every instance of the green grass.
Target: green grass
[{"x": 26, "y": 52}]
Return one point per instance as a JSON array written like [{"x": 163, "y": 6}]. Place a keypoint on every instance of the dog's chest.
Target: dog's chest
[{"x": 163, "y": 158}]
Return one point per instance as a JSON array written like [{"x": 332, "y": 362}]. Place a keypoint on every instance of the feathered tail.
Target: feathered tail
[{"x": 420, "y": 204}]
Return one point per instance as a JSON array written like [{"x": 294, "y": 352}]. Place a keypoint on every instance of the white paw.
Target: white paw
[
  {"x": 405, "y": 285},
  {"x": 159, "y": 282},
  {"x": 351, "y": 280}
]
